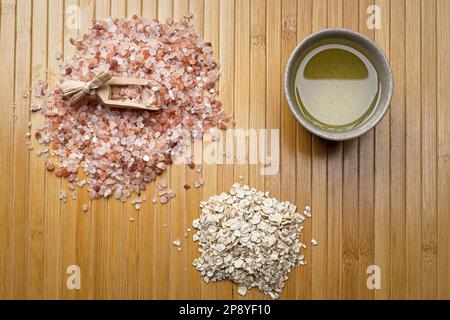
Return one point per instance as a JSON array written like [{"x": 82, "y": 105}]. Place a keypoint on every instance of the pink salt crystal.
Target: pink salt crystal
[
  {"x": 171, "y": 194},
  {"x": 163, "y": 183},
  {"x": 198, "y": 183},
  {"x": 35, "y": 107},
  {"x": 163, "y": 199},
  {"x": 161, "y": 165},
  {"x": 84, "y": 207},
  {"x": 39, "y": 89},
  {"x": 118, "y": 193},
  {"x": 62, "y": 195},
  {"x": 121, "y": 150}
]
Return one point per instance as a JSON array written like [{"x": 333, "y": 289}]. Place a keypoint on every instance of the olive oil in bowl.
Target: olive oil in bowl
[{"x": 336, "y": 86}]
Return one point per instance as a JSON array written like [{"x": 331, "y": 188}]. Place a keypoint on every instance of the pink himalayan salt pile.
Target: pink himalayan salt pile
[{"x": 120, "y": 150}]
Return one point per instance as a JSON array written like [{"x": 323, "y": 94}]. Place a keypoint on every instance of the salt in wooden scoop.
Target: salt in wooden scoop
[{"x": 101, "y": 87}]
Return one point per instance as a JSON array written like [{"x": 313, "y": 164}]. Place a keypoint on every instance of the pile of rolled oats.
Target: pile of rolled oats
[{"x": 249, "y": 238}]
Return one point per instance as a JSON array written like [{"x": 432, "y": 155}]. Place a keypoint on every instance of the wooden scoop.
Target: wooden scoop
[
  {"x": 101, "y": 87},
  {"x": 104, "y": 93}
]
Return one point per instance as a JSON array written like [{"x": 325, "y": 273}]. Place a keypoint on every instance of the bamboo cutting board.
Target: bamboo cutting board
[{"x": 379, "y": 200}]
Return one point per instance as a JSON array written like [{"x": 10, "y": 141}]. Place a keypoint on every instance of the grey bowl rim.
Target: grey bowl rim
[{"x": 354, "y": 132}]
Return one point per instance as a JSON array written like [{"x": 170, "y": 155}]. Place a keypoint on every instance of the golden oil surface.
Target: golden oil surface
[{"x": 337, "y": 87}]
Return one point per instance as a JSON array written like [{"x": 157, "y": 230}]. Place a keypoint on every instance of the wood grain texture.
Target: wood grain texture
[
  {"x": 350, "y": 196},
  {"x": 382, "y": 170},
  {"x": 334, "y": 187},
  {"x": 429, "y": 149},
  {"x": 443, "y": 161},
  {"x": 381, "y": 199},
  {"x": 397, "y": 147},
  {"x": 210, "y": 175},
  {"x": 37, "y": 175},
  {"x": 20, "y": 149},
  {"x": 304, "y": 165},
  {"x": 194, "y": 196},
  {"x": 413, "y": 147},
  {"x": 319, "y": 198},
  {"x": 7, "y": 87}
]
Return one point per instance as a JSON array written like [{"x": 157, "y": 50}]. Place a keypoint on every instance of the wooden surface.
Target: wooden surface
[{"x": 382, "y": 199}]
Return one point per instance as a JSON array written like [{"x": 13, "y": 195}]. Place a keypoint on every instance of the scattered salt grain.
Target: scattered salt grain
[
  {"x": 50, "y": 166},
  {"x": 314, "y": 242},
  {"x": 35, "y": 107},
  {"x": 198, "y": 183},
  {"x": 176, "y": 242},
  {"x": 163, "y": 199},
  {"x": 85, "y": 207},
  {"x": 242, "y": 290},
  {"x": 62, "y": 195},
  {"x": 171, "y": 194},
  {"x": 163, "y": 184}
]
